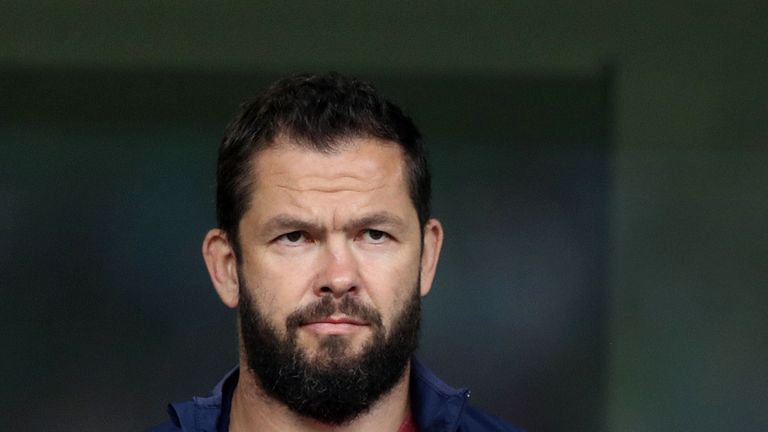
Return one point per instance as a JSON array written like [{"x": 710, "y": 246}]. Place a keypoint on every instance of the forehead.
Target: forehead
[
  {"x": 352, "y": 158},
  {"x": 355, "y": 167}
]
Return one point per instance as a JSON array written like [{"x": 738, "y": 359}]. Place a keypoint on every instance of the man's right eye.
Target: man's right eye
[{"x": 293, "y": 238}]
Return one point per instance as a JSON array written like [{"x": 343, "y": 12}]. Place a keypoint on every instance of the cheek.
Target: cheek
[
  {"x": 279, "y": 286},
  {"x": 391, "y": 286}
]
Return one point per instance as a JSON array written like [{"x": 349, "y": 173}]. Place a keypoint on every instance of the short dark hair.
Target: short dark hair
[{"x": 315, "y": 111}]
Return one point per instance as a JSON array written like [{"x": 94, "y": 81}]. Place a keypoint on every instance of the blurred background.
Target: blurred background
[{"x": 601, "y": 171}]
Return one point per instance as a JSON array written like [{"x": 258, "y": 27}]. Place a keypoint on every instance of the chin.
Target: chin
[{"x": 335, "y": 351}]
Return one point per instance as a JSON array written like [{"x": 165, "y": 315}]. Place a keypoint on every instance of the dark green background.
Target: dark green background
[{"x": 605, "y": 261}]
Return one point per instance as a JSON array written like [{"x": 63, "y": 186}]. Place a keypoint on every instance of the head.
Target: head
[
  {"x": 317, "y": 112},
  {"x": 325, "y": 243}
]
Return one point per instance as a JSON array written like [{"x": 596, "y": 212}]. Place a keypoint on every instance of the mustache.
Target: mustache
[{"x": 328, "y": 305}]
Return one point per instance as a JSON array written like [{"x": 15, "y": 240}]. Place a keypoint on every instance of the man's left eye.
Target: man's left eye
[{"x": 374, "y": 236}]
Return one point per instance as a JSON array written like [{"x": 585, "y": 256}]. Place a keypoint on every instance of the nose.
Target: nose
[{"x": 339, "y": 270}]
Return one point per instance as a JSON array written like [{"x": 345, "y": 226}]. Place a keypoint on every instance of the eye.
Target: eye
[
  {"x": 293, "y": 238},
  {"x": 375, "y": 236}
]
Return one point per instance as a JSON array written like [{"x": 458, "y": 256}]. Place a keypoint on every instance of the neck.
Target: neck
[{"x": 252, "y": 410}]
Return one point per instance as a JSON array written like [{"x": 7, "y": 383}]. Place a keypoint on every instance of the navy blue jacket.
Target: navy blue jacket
[{"x": 435, "y": 406}]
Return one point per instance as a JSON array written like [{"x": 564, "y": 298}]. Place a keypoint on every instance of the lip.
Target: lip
[{"x": 335, "y": 325}]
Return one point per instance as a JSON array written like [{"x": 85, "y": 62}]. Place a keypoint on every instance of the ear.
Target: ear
[
  {"x": 222, "y": 266},
  {"x": 430, "y": 253}
]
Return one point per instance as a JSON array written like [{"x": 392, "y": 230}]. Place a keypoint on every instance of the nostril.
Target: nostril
[{"x": 331, "y": 290}]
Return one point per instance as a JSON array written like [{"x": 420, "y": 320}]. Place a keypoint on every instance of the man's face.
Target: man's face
[
  {"x": 339, "y": 224},
  {"x": 330, "y": 266}
]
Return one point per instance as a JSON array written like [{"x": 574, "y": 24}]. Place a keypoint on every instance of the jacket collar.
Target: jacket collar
[
  {"x": 435, "y": 405},
  {"x": 202, "y": 414}
]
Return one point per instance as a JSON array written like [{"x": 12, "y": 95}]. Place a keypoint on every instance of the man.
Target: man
[{"x": 325, "y": 245}]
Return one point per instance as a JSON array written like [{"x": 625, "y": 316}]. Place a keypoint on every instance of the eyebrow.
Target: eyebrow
[
  {"x": 284, "y": 222},
  {"x": 377, "y": 218}
]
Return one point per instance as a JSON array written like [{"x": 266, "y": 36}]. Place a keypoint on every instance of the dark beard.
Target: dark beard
[{"x": 337, "y": 386}]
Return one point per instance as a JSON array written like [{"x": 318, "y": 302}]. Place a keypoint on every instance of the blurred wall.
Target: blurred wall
[{"x": 687, "y": 300}]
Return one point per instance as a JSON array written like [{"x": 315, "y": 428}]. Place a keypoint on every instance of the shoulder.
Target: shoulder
[{"x": 476, "y": 420}]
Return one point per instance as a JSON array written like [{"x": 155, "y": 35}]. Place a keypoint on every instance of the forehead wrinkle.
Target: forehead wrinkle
[
  {"x": 328, "y": 189},
  {"x": 261, "y": 173},
  {"x": 279, "y": 176}
]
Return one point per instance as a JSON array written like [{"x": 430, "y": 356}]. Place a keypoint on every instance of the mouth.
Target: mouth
[{"x": 335, "y": 325}]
